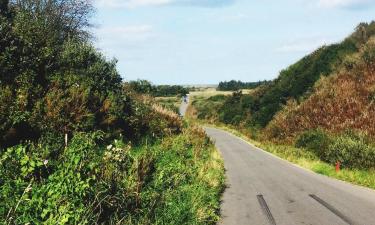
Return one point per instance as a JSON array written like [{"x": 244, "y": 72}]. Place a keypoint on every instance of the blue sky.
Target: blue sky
[{"x": 207, "y": 41}]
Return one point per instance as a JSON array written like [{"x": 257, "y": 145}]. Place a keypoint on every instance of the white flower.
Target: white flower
[
  {"x": 45, "y": 162},
  {"x": 109, "y": 147}
]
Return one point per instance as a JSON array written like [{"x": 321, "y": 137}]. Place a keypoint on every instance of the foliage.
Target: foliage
[
  {"x": 176, "y": 181},
  {"x": 316, "y": 141},
  {"x": 234, "y": 85},
  {"x": 352, "y": 151},
  {"x": 207, "y": 108},
  {"x": 145, "y": 87}
]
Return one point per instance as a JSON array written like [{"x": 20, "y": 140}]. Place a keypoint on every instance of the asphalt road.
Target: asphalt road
[
  {"x": 184, "y": 106},
  {"x": 263, "y": 189}
]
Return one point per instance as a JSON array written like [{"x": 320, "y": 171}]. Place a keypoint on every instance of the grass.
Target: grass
[
  {"x": 209, "y": 92},
  {"x": 170, "y": 103}
]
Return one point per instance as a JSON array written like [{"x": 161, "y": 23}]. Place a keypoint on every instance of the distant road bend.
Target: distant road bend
[
  {"x": 184, "y": 105},
  {"x": 265, "y": 190}
]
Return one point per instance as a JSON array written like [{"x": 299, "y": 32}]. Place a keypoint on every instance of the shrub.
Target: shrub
[
  {"x": 316, "y": 141},
  {"x": 352, "y": 151}
]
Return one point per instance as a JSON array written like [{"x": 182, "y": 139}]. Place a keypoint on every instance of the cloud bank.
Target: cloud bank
[
  {"x": 349, "y": 4},
  {"x": 145, "y": 3}
]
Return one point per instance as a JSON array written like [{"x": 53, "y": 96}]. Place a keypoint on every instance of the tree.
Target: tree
[{"x": 4, "y": 10}]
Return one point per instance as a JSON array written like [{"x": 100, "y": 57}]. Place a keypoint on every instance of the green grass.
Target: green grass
[{"x": 309, "y": 161}]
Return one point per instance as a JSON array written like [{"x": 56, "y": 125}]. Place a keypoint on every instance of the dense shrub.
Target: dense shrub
[
  {"x": 316, "y": 141},
  {"x": 351, "y": 150},
  {"x": 207, "y": 108}
]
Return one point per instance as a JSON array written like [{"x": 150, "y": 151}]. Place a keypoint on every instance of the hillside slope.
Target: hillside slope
[
  {"x": 343, "y": 101},
  {"x": 299, "y": 78}
]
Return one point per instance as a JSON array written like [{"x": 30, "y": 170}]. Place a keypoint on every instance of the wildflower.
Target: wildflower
[
  {"x": 109, "y": 147},
  {"x": 45, "y": 162}
]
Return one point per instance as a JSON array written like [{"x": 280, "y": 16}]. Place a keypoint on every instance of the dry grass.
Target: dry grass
[{"x": 209, "y": 92}]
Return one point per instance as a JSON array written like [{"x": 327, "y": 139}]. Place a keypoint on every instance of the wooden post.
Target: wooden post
[{"x": 66, "y": 140}]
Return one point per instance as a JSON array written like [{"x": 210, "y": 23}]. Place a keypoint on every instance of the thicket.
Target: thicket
[
  {"x": 234, "y": 85},
  {"x": 351, "y": 149},
  {"x": 146, "y": 87},
  {"x": 77, "y": 146}
]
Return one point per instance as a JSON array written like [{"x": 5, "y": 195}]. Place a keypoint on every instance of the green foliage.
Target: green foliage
[
  {"x": 176, "y": 181},
  {"x": 316, "y": 141},
  {"x": 234, "y": 85},
  {"x": 145, "y": 87},
  {"x": 231, "y": 112},
  {"x": 352, "y": 151},
  {"x": 207, "y": 108}
]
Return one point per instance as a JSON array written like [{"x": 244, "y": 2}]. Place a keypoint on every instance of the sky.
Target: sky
[{"x": 208, "y": 41}]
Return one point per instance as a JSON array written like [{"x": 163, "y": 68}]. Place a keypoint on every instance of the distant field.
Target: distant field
[
  {"x": 171, "y": 103},
  {"x": 208, "y": 92}
]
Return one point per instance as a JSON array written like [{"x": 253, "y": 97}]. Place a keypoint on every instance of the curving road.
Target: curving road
[{"x": 265, "y": 190}]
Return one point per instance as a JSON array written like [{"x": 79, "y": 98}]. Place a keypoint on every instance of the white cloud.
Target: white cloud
[
  {"x": 140, "y": 3},
  {"x": 131, "y": 3},
  {"x": 344, "y": 3},
  {"x": 126, "y": 33},
  {"x": 303, "y": 45}
]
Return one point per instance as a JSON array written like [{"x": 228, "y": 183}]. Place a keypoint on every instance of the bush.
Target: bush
[
  {"x": 352, "y": 151},
  {"x": 316, "y": 141}
]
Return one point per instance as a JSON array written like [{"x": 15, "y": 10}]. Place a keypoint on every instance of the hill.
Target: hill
[{"x": 323, "y": 103}]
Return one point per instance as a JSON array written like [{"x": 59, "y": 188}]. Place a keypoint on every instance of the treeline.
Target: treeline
[
  {"x": 234, "y": 85},
  {"x": 76, "y": 145},
  {"x": 146, "y": 87}
]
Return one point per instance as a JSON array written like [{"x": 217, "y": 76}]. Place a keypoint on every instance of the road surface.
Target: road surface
[
  {"x": 265, "y": 190},
  {"x": 184, "y": 106}
]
